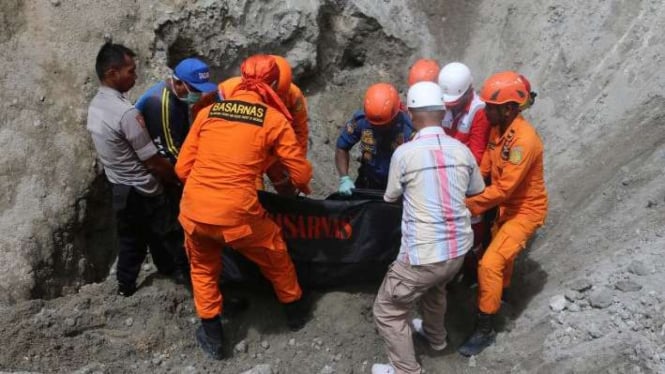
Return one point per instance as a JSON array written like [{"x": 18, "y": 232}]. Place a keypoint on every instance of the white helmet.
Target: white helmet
[
  {"x": 454, "y": 79},
  {"x": 425, "y": 95}
]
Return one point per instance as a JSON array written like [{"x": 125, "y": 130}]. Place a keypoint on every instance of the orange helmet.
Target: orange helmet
[
  {"x": 285, "y": 75},
  {"x": 424, "y": 70},
  {"x": 526, "y": 82},
  {"x": 504, "y": 87},
  {"x": 532, "y": 95},
  {"x": 381, "y": 103}
]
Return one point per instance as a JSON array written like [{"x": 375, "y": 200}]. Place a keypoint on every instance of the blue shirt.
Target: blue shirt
[
  {"x": 377, "y": 142},
  {"x": 166, "y": 119}
]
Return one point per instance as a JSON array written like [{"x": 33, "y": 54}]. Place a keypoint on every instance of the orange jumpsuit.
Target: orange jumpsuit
[
  {"x": 514, "y": 161},
  {"x": 225, "y": 150},
  {"x": 297, "y": 105}
]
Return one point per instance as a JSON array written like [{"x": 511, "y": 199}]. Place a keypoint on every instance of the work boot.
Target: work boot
[
  {"x": 481, "y": 338},
  {"x": 296, "y": 314},
  {"x": 209, "y": 336},
  {"x": 126, "y": 290}
]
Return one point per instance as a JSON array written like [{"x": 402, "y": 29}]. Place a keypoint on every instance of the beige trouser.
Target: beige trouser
[{"x": 401, "y": 288}]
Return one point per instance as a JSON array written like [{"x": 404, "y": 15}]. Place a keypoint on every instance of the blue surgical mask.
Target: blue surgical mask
[{"x": 192, "y": 98}]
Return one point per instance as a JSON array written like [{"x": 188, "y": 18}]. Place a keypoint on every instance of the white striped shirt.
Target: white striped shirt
[{"x": 435, "y": 173}]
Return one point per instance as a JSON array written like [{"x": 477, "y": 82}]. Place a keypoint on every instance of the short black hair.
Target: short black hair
[{"x": 111, "y": 56}]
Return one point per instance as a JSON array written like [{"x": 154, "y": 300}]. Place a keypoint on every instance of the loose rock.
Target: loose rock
[
  {"x": 572, "y": 295},
  {"x": 601, "y": 299},
  {"x": 264, "y": 344},
  {"x": 327, "y": 370},
  {"x": 472, "y": 362},
  {"x": 580, "y": 285},
  {"x": 628, "y": 286},
  {"x": 259, "y": 369},
  {"x": 558, "y": 303},
  {"x": 594, "y": 331},
  {"x": 241, "y": 347},
  {"x": 638, "y": 268}
]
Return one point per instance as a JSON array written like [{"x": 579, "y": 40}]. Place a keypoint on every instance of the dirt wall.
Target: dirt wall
[{"x": 596, "y": 67}]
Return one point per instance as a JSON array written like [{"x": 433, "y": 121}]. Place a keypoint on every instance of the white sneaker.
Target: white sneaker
[
  {"x": 383, "y": 369},
  {"x": 417, "y": 324}
]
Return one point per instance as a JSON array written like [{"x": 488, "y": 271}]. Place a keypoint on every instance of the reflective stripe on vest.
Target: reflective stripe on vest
[{"x": 464, "y": 124}]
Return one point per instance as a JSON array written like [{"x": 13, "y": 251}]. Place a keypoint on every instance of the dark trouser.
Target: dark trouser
[
  {"x": 147, "y": 222},
  {"x": 482, "y": 236},
  {"x": 370, "y": 181}
]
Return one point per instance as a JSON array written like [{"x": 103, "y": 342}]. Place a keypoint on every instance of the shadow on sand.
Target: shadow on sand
[{"x": 266, "y": 315}]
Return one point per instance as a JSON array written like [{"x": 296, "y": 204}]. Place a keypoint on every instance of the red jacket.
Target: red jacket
[{"x": 470, "y": 127}]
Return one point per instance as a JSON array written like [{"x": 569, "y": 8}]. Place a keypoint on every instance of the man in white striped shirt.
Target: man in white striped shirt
[{"x": 434, "y": 173}]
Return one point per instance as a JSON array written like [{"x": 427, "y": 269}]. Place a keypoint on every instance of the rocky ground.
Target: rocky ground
[{"x": 587, "y": 295}]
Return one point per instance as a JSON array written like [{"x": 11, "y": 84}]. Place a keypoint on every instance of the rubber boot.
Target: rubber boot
[
  {"x": 296, "y": 314},
  {"x": 209, "y": 336},
  {"x": 481, "y": 338}
]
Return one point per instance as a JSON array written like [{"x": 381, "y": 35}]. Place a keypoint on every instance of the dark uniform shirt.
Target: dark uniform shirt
[
  {"x": 166, "y": 118},
  {"x": 377, "y": 146}
]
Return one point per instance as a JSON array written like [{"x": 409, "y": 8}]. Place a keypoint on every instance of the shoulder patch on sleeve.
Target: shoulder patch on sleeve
[
  {"x": 351, "y": 127},
  {"x": 516, "y": 155},
  {"x": 367, "y": 137},
  {"x": 239, "y": 111}
]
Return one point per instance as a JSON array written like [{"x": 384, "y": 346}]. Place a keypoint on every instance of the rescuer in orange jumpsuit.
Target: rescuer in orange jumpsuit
[
  {"x": 225, "y": 150},
  {"x": 514, "y": 162},
  {"x": 295, "y": 102}
]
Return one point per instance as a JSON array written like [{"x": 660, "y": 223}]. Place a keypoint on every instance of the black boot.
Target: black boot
[
  {"x": 482, "y": 337},
  {"x": 126, "y": 290},
  {"x": 296, "y": 314},
  {"x": 209, "y": 336}
]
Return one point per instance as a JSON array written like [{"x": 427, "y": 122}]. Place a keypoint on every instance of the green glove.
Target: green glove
[{"x": 346, "y": 185}]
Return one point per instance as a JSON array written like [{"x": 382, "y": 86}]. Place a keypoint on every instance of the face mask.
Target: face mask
[{"x": 191, "y": 98}]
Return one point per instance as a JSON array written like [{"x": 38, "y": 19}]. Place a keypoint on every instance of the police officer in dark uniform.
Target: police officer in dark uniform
[
  {"x": 166, "y": 110},
  {"x": 380, "y": 128},
  {"x": 132, "y": 164}
]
